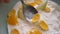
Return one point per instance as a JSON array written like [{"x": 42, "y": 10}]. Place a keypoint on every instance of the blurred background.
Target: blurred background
[{"x": 4, "y": 9}]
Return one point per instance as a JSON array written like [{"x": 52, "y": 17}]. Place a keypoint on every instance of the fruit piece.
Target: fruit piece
[
  {"x": 35, "y": 18},
  {"x": 12, "y": 20},
  {"x": 43, "y": 25},
  {"x": 47, "y": 9},
  {"x": 20, "y": 13},
  {"x": 15, "y": 31},
  {"x": 43, "y": 6},
  {"x": 12, "y": 12},
  {"x": 38, "y": 2},
  {"x": 35, "y": 31},
  {"x": 32, "y": 4}
]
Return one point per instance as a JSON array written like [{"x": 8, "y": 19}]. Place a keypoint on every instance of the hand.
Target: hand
[{"x": 5, "y": 1}]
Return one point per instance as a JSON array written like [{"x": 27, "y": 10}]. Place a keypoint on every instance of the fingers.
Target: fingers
[{"x": 4, "y": 1}]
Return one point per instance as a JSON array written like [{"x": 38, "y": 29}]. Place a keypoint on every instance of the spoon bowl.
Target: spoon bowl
[{"x": 28, "y": 11}]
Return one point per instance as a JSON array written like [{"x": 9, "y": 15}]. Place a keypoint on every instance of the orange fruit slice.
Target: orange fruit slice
[
  {"x": 43, "y": 25},
  {"x": 47, "y": 9},
  {"x": 38, "y": 1},
  {"x": 32, "y": 4},
  {"x": 35, "y": 18},
  {"x": 12, "y": 20},
  {"x": 12, "y": 12},
  {"x": 15, "y": 31},
  {"x": 35, "y": 31}
]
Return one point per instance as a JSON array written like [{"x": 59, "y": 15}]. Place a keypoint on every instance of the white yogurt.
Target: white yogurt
[{"x": 50, "y": 18}]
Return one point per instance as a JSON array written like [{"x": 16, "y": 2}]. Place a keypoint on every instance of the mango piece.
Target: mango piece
[
  {"x": 43, "y": 25},
  {"x": 35, "y": 18},
  {"x": 35, "y": 31},
  {"x": 38, "y": 1},
  {"x": 12, "y": 20},
  {"x": 12, "y": 12},
  {"x": 15, "y": 31},
  {"x": 32, "y": 4},
  {"x": 47, "y": 9}
]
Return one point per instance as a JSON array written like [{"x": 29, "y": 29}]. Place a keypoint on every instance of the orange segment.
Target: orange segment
[
  {"x": 35, "y": 31},
  {"x": 12, "y": 20},
  {"x": 32, "y": 4},
  {"x": 38, "y": 1},
  {"x": 15, "y": 31},
  {"x": 12, "y": 12},
  {"x": 47, "y": 9},
  {"x": 35, "y": 18},
  {"x": 43, "y": 25}
]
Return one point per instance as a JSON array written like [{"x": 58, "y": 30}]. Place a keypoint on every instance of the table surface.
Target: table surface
[{"x": 4, "y": 9}]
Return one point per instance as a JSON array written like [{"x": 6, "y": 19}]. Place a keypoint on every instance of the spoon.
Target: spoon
[{"x": 28, "y": 11}]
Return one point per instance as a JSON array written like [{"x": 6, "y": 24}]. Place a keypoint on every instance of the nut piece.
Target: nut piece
[
  {"x": 43, "y": 25},
  {"x": 35, "y": 31},
  {"x": 35, "y": 18},
  {"x": 15, "y": 31}
]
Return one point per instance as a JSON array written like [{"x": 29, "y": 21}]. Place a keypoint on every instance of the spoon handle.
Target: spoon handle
[{"x": 22, "y": 2}]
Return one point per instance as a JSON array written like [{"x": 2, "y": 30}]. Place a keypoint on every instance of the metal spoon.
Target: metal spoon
[{"x": 28, "y": 11}]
